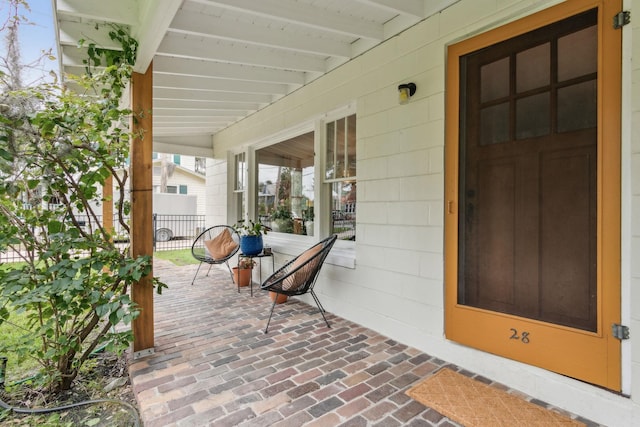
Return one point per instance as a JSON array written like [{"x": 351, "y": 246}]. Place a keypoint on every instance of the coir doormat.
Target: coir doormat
[{"x": 474, "y": 404}]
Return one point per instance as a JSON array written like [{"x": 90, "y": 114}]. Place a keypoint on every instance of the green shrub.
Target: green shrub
[{"x": 57, "y": 149}]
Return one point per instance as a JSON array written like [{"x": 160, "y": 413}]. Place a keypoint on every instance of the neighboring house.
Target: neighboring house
[
  {"x": 182, "y": 178},
  {"x": 498, "y": 208}
]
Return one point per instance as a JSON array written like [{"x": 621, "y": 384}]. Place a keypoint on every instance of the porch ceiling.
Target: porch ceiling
[{"x": 218, "y": 61}]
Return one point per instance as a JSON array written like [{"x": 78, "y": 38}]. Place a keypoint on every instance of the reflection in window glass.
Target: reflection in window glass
[
  {"x": 240, "y": 185},
  {"x": 341, "y": 148},
  {"x": 341, "y": 172},
  {"x": 343, "y": 212},
  {"x": 285, "y": 185},
  {"x": 240, "y": 170}
]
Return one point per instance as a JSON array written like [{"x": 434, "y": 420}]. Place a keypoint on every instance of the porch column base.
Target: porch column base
[{"x": 143, "y": 353}]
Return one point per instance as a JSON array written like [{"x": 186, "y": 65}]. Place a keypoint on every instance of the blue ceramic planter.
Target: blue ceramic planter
[{"x": 251, "y": 245}]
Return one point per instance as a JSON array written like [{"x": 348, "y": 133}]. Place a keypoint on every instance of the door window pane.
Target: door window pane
[
  {"x": 494, "y": 124},
  {"x": 533, "y": 68},
  {"x": 578, "y": 106},
  {"x": 494, "y": 80},
  {"x": 578, "y": 54},
  {"x": 532, "y": 116}
]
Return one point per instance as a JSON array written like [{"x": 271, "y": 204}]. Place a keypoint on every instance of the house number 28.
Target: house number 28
[{"x": 524, "y": 336}]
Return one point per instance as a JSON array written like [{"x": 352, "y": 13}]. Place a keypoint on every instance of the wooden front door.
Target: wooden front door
[{"x": 533, "y": 192}]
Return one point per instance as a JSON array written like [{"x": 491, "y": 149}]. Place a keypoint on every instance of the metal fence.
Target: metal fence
[
  {"x": 176, "y": 231},
  {"x": 171, "y": 232}
]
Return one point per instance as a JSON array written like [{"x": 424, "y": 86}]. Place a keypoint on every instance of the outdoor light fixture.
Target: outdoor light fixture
[{"x": 406, "y": 91}]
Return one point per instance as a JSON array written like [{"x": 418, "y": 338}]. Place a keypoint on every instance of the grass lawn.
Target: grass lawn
[
  {"x": 11, "y": 333},
  {"x": 12, "y": 330},
  {"x": 178, "y": 257}
]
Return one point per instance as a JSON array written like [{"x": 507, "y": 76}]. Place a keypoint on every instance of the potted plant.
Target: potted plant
[
  {"x": 242, "y": 273},
  {"x": 282, "y": 219},
  {"x": 308, "y": 216},
  {"x": 251, "y": 236},
  {"x": 278, "y": 298}
]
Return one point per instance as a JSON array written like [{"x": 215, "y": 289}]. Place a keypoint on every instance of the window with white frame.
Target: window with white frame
[
  {"x": 285, "y": 196},
  {"x": 340, "y": 175},
  {"x": 240, "y": 184},
  {"x": 285, "y": 191}
]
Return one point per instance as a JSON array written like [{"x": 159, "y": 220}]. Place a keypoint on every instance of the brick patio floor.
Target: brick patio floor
[{"x": 213, "y": 366}]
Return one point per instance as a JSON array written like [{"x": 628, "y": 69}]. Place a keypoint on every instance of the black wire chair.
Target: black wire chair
[
  {"x": 215, "y": 245},
  {"x": 299, "y": 275}
]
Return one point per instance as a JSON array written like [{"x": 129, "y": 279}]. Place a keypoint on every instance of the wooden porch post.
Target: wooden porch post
[
  {"x": 141, "y": 204},
  {"x": 107, "y": 205}
]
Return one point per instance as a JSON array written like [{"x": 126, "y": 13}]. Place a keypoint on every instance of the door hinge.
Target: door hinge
[
  {"x": 620, "y": 332},
  {"x": 621, "y": 19}
]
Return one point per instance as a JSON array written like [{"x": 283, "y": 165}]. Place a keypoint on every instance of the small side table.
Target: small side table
[{"x": 259, "y": 256}]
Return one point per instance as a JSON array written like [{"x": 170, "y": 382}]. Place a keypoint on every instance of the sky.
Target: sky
[{"x": 34, "y": 37}]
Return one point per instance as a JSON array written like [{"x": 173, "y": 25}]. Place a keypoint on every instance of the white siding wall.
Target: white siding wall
[
  {"x": 397, "y": 285},
  {"x": 216, "y": 195}
]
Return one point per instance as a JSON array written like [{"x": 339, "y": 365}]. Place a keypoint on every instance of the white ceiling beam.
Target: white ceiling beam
[
  {"x": 193, "y": 145},
  {"x": 205, "y": 95},
  {"x": 73, "y": 56},
  {"x": 432, "y": 7},
  {"x": 202, "y": 124},
  {"x": 122, "y": 12},
  {"x": 72, "y": 32},
  {"x": 156, "y": 17},
  {"x": 160, "y": 112},
  {"x": 168, "y": 123},
  {"x": 193, "y": 131},
  {"x": 213, "y": 121},
  {"x": 212, "y": 26},
  {"x": 190, "y": 129},
  {"x": 192, "y": 67},
  {"x": 298, "y": 13},
  {"x": 223, "y": 85},
  {"x": 405, "y": 7},
  {"x": 191, "y": 47},
  {"x": 203, "y": 105},
  {"x": 75, "y": 70}
]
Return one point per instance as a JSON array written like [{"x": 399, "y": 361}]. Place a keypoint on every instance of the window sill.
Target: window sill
[{"x": 343, "y": 254}]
